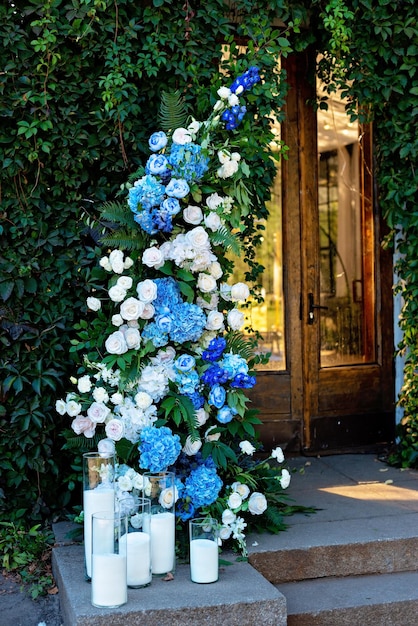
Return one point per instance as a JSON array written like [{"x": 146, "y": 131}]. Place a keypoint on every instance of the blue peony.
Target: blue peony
[
  {"x": 170, "y": 206},
  {"x": 225, "y": 414},
  {"x": 158, "y": 448},
  {"x": 217, "y": 396},
  {"x": 177, "y": 188},
  {"x": 185, "y": 362},
  {"x": 156, "y": 165}
]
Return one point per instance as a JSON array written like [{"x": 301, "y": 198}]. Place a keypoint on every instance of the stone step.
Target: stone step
[
  {"x": 337, "y": 548},
  {"x": 241, "y": 597},
  {"x": 385, "y": 599}
]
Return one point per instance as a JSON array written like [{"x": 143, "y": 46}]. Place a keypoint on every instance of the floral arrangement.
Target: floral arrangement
[{"x": 165, "y": 367}]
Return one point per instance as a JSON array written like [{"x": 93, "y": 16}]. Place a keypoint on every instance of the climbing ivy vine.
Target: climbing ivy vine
[{"x": 80, "y": 85}]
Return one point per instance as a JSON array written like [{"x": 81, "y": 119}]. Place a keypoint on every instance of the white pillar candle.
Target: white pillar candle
[
  {"x": 108, "y": 583},
  {"x": 137, "y": 547},
  {"x": 203, "y": 561},
  {"x": 162, "y": 542},
  {"x": 94, "y": 501}
]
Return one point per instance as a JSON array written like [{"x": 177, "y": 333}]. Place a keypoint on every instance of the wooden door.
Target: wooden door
[{"x": 334, "y": 391}]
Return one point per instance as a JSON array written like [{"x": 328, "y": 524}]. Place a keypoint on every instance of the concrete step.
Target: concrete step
[
  {"x": 379, "y": 600},
  {"x": 241, "y": 597},
  {"x": 337, "y": 548}
]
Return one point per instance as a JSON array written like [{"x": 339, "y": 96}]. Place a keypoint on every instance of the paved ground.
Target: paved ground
[{"x": 18, "y": 609}]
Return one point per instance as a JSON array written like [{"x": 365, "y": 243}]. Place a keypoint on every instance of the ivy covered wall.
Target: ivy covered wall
[{"x": 80, "y": 86}]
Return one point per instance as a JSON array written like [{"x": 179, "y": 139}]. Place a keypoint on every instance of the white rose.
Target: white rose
[
  {"x": 285, "y": 479},
  {"x": 116, "y": 261},
  {"x": 116, "y": 344},
  {"x": 234, "y": 500},
  {"x": 197, "y": 237},
  {"x": 73, "y": 408},
  {"x": 106, "y": 448},
  {"x": 201, "y": 416},
  {"x": 132, "y": 338},
  {"x": 215, "y": 321},
  {"x": 94, "y": 304},
  {"x": 168, "y": 497},
  {"x": 194, "y": 127},
  {"x": 239, "y": 292},
  {"x": 143, "y": 400},
  {"x": 257, "y": 503},
  {"x": 98, "y": 412},
  {"x": 104, "y": 263},
  {"x": 128, "y": 262},
  {"x": 116, "y": 398},
  {"x": 100, "y": 394},
  {"x": 146, "y": 290},
  {"x": 114, "y": 429},
  {"x": 228, "y": 517},
  {"x": 192, "y": 447},
  {"x": 117, "y": 319},
  {"x": 215, "y": 270},
  {"x": 83, "y": 425},
  {"x": 225, "y": 291},
  {"x": 117, "y": 293},
  {"x": 148, "y": 311},
  {"x": 223, "y": 156},
  {"x": 138, "y": 481},
  {"x": 235, "y": 156},
  {"x": 60, "y": 407},
  {"x": 209, "y": 436},
  {"x": 277, "y": 454},
  {"x": 206, "y": 283},
  {"x": 152, "y": 257},
  {"x": 193, "y": 215},
  {"x": 224, "y": 533},
  {"x": 208, "y": 305},
  {"x": 125, "y": 282},
  {"x": 84, "y": 384},
  {"x": 224, "y": 92},
  {"x": 243, "y": 490},
  {"x": 235, "y": 319},
  {"x": 228, "y": 169},
  {"x": 131, "y": 309},
  {"x": 247, "y": 447},
  {"x": 213, "y": 201},
  {"x": 181, "y": 136},
  {"x": 124, "y": 482},
  {"x": 213, "y": 221}
]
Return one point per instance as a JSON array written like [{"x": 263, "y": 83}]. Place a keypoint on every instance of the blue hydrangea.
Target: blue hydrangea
[
  {"x": 147, "y": 192},
  {"x": 188, "y": 162},
  {"x": 234, "y": 364},
  {"x": 190, "y": 323},
  {"x": 203, "y": 486},
  {"x": 158, "y": 448},
  {"x": 197, "y": 399}
]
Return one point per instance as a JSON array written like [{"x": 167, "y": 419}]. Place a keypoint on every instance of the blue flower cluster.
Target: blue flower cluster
[
  {"x": 198, "y": 484},
  {"x": 158, "y": 448},
  {"x": 174, "y": 319},
  {"x": 215, "y": 349},
  {"x": 233, "y": 116},
  {"x": 188, "y": 162}
]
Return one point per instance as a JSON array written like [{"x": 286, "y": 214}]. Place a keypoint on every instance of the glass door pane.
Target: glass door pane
[{"x": 342, "y": 227}]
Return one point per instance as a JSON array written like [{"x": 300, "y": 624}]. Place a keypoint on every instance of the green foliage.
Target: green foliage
[{"x": 26, "y": 552}]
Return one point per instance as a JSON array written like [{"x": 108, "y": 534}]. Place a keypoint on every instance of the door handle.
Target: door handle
[{"x": 311, "y": 308}]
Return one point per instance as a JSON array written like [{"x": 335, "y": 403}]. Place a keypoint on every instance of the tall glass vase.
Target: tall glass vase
[
  {"x": 108, "y": 566},
  {"x": 98, "y": 495},
  {"x": 160, "y": 489}
]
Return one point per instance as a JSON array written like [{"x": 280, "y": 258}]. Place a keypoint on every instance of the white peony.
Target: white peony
[
  {"x": 100, "y": 394},
  {"x": 98, "y": 412},
  {"x": 148, "y": 311},
  {"x": 202, "y": 416},
  {"x": 215, "y": 270},
  {"x": 181, "y": 136},
  {"x": 114, "y": 429},
  {"x": 143, "y": 400},
  {"x": 116, "y": 398},
  {"x": 128, "y": 262},
  {"x": 213, "y": 201},
  {"x": 106, "y": 448},
  {"x": 104, "y": 263}
]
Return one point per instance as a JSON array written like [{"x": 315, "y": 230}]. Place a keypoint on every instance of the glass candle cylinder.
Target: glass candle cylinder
[
  {"x": 108, "y": 561},
  {"x": 98, "y": 494},
  {"x": 160, "y": 489},
  {"x": 204, "y": 562},
  {"x": 136, "y": 542}
]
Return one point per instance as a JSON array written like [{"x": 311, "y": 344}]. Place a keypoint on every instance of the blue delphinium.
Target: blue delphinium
[
  {"x": 215, "y": 349},
  {"x": 214, "y": 375},
  {"x": 246, "y": 81},
  {"x": 158, "y": 448}
]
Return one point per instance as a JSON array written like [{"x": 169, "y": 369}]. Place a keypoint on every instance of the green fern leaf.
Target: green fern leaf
[
  {"x": 223, "y": 237},
  {"x": 172, "y": 112},
  {"x": 124, "y": 240},
  {"x": 117, "y": 213}
]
